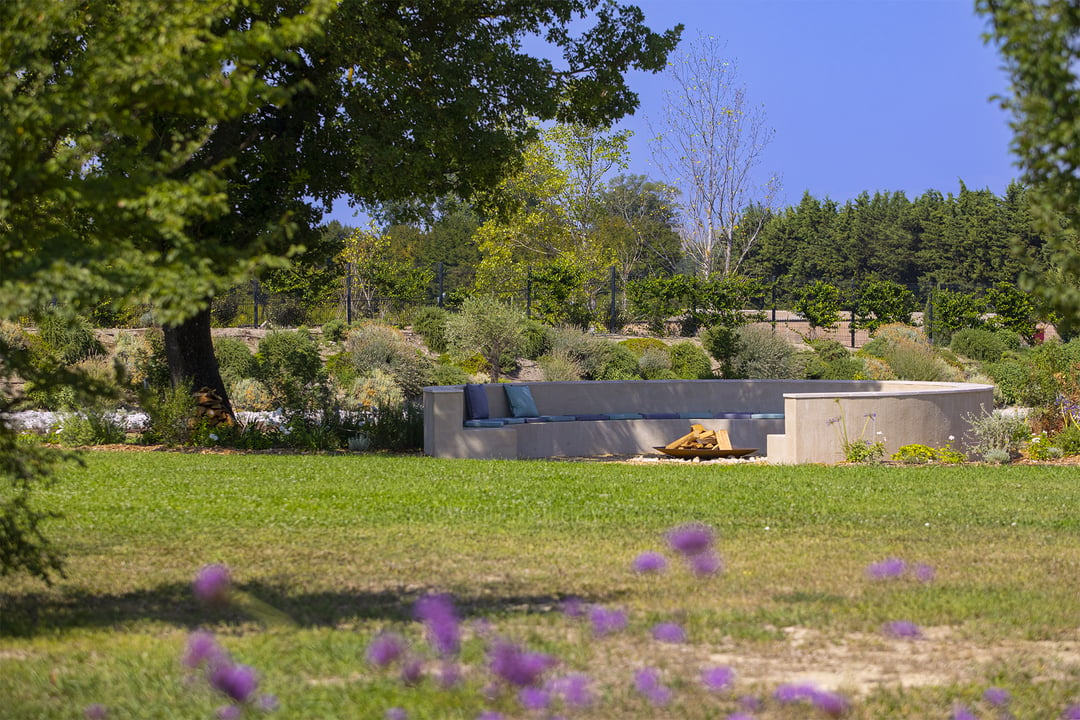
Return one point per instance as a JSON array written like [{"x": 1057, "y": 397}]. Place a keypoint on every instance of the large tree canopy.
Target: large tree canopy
[{"x": 1040, "y": 44}]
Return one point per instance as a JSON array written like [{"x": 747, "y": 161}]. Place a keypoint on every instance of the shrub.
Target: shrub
[
  {"x": 655, "y": 364},
  {"x": 914, "y": 361},
  {"x": 1012, "y": 380},
  {"x": 829, "y": 350},
  {"x": 236, "y": 362},
  {"x": 536, "y": 339},
  {"x": 376, "y": 390},
  {"x": 430, "y": 324},
  {"x": 915, "y": 455},
  {"x": 689, "y": 361},
  {"x": 374, "y": 346},
  {"x": 721, "y": 343},
  {"x": 395, "y": 427},
  {"x": 978, "y": 344},
  {"x": 172, "y": 416},
  {"x": 142, "y": 363},
  {"x": 446, "y": 373},
  {"x": 250, "y": 394},
  {"x": 290, "y": 366},
  {"x": 66, "y": 337},
  {"x": 639, "y": 346},
  {"x": 558, "y": 366},
  {"x": 487, "y": 326},
  {"x": 91, "y": 426},
  {"x": 334, "y": 331},
  {"x": 996, "y": 432},
  {"x": 762, "y": 354},
  {"x": 607, "y": 360}
]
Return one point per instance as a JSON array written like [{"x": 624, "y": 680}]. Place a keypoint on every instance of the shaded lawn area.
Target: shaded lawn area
[{"x": 346, "y": 544}]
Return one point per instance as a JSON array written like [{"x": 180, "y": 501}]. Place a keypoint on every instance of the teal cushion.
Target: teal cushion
[
  {"x": 521, "y": 402},
  {"x": 489, "y": 423}
]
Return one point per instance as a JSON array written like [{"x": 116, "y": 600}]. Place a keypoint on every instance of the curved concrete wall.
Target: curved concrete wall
[{"x": 904, "y": 412}]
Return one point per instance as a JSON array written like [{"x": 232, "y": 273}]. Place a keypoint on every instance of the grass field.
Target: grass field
[{"x": 344, "y": 545}]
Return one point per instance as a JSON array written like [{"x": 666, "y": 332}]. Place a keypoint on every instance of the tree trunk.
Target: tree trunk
[{"x": 189, "y": 349}]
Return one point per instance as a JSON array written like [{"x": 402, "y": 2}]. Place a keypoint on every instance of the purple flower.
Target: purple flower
[
  {"x": 886, "y": 569},
  {"x": 412, "y": 671},
  {"x": 740, "y": 716},
  {"x": 833, "y": 420},
  {"x": 717, "y": 678},
  {"x": 573, "y": 607},
  {"x": 998, "y": 697},
  {"x": 604, "y": 621},
  {"x": 706, "y": 563},
  {"x": 573, "y": 689},
  {"x": 649, "y": 562},
  {"x": 533, "y": 698},
  {"x": 902, "y": 629},
  {"x": 1071, "y": 713},
  {"x": 691, "y": 539},
  {"x": 385, "y": 649},
  {"x": 96, "y": 711},
  {"x": 923, "y": 572},
  {"x": 669, "y": 632},
  {"x": 449, "y": 675},
  {"x": 237, "y": 682},
  {"x": 830, "y": 703},
  {"x": 647, "y": 682},
  {"x": 203, "y": 648},
  {"x": 750, "y": 703},
  {"x": 962, "y": 712},
  {"x": 212, "y": 584},
  {"x": 396, "y": 713},
  {"x": 440, "y": 618},
  {"x": 516, "y": 666},
  {"x": 791, "y": 693},
  {"x": 229, "y": 712},
  {"x": 490, "y": 715}
]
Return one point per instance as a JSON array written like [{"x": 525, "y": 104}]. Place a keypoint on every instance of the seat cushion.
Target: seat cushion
[
  {"x": 521, "y": 402},
  {"x": 476, "y": 402},
  {"x": 660, "y": 416}
]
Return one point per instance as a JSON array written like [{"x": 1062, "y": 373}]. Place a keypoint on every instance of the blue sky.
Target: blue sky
[{"x": 874, "y": 95}]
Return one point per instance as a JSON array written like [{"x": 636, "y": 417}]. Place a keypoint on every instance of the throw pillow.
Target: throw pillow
[{"x": 521, "y": 402}]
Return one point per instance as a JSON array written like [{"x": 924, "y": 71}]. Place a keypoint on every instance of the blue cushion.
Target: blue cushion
[
  {"x": 521, "y": 402},
  {"x": 485, "y": 423},
  {"x": 512, "y": 420},
  {"x": 593, "y": 416},
  {"x": 733, "y": 416},
  {"x": 624, "y": 416},
  {"x": 476, "y": 402},
  {"x": 660, "y": 416},
  {"x": 768, "y": 416},
  {"x": 550, "y": 418}
]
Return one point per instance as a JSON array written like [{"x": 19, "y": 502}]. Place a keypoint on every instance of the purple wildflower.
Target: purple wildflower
[
  {"x": 923, "y": 572},
  {"x": 385, "y": 649},
  {"x": 440, "y": 618},
  {"x": 962, "y": 712},
  {"x": 647, "y": 682},
  {"x": 740, "y": 716},
  {"x": 449, "y": 675},
  {"x": 203, "y": 648},
  {"x": 998, "y": 697},
  {"x": 516, "y": 666},
  {"x": 1071, "y": 713},
  {"x": 604, "y": 621},
  {"x": 886, "y": 569},
  {"x": 669, "y": 632},
  {"x": 229, "y": 712},
  {"x": 96, "y": 711},
  {"x": 396, "y": 713},
  {"x": 573, "y": 689},
  {"x": 490, "y": 715},
  {"x": 902, "y": 629},
  {"x": 830, "y": 703},
  {"x": 706, "y": 563},
  {"x": 573, "y": 607},
  {"x": 534, "y": 698},
  {"x": 212, "y": 584},
  {"x": 237, "y": 682},
  {"x": 649, "y": 562},
  {"x": 791, "y": 693},
  {"x": 691, "y": 539},
  {"x": 718, "y": 678},
  {"x": 750, "y": 703},
  {"x": 833, "y": 420},
  {"x": 412, "y": 671}
]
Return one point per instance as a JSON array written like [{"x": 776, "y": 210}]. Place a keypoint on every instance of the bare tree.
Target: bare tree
[{"x": 710, "y": 144}]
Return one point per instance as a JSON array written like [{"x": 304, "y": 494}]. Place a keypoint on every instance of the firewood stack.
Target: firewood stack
[
  {"x": 211, "y": 408},
  {"x": 701, "y": 439}
]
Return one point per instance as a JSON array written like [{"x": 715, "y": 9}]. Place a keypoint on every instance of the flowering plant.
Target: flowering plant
[{"x": 860, "y": 450}]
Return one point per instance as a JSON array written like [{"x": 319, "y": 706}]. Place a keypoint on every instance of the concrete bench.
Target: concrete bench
[{"x": 785, "y": 419}]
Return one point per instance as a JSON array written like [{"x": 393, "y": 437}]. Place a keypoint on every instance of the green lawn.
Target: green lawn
[{"x": 344, "y": 545}]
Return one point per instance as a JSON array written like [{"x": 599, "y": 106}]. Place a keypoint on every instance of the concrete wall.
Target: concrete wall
[{"x": 906, "y": 412}]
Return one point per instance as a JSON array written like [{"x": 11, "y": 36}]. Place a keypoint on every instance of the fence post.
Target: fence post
[
  {"x": 852, "y": 310},
  {"x": 612, "y": 311},
  {"x": 773, "y": 302},
  {"x": 440, "y": 272},
  {"x": 255, "y": 302}
]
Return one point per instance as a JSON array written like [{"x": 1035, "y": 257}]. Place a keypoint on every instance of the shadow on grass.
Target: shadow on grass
[{"x": 31, "y": 614}]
